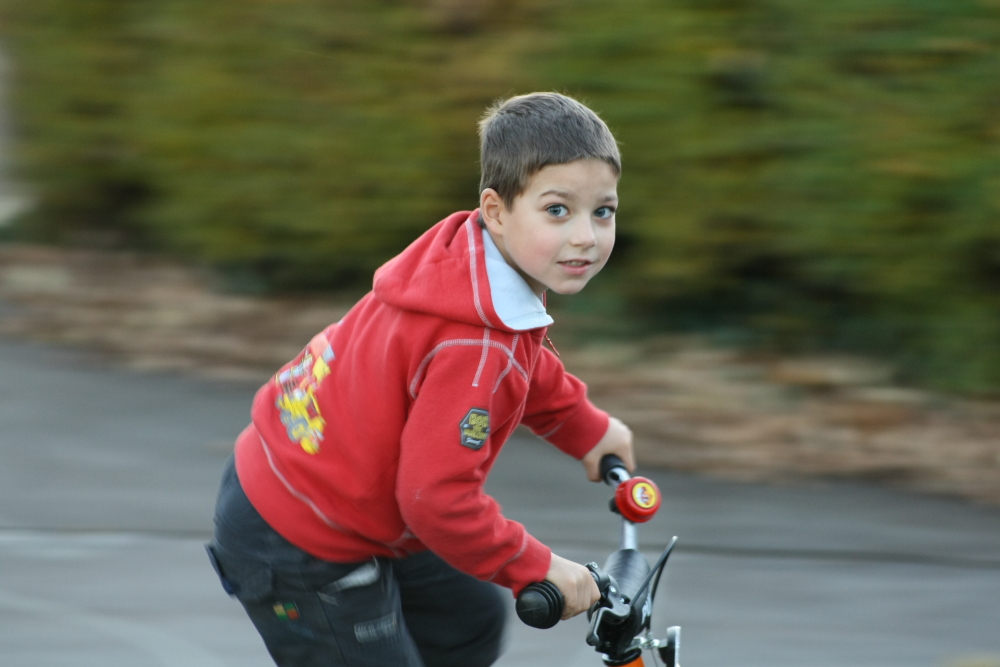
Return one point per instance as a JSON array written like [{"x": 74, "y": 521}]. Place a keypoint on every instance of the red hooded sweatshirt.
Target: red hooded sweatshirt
[{"x": 377, "y": 438}]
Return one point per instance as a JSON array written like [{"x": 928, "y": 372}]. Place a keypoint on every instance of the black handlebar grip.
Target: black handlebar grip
[
  {"x": 540, "y": 605},
  {"x": 608, "y": 463}
]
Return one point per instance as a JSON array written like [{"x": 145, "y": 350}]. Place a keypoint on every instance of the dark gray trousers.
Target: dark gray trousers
[{"x": 411, "y": 612}]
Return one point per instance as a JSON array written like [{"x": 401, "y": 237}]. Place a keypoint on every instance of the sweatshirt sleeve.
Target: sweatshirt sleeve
[
  {"x": 442, "y": 468},
  {"x": 559, "y": 411}
]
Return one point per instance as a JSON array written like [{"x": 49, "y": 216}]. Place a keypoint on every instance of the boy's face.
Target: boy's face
[{"x": 560, "y": 230}]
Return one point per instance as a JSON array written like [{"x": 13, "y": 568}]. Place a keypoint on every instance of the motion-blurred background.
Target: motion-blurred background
[
  {"x": 805, "y": 290},
  {"x": 809, "y": 235}
]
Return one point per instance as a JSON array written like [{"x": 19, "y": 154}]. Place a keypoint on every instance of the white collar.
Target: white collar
[{"x": 517, "y": 306}]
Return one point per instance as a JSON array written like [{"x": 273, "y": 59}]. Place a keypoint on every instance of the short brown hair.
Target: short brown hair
[{"x": 521, "y": 135}]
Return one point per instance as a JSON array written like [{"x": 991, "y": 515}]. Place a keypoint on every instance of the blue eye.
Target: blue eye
[
  {"x": 557, "y": 210},
  {"x": 604, "y": 212}
]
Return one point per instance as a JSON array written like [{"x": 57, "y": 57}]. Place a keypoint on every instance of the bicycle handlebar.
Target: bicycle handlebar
[
  {"x": 608, "y": 464},
  {"x": 623, "y": 611},
  {"x": 541, "y": 604}
]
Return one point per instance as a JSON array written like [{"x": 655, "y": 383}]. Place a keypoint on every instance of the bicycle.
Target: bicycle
[{"x": 620, "y": 621}]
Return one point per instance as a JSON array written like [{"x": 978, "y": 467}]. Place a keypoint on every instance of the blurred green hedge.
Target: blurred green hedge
[{"x": 798, "y": 174}]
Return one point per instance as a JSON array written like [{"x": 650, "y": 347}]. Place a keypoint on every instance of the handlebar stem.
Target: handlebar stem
[
  {"x": 623, "y": 611},
  {"x": 628, "y": 537}
]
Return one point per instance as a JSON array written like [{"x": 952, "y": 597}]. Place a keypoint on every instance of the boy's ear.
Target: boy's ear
[{"x": 490, "y": 206}]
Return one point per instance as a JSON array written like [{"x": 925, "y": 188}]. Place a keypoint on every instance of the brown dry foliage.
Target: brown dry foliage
[{"x": 692, "y": 407}]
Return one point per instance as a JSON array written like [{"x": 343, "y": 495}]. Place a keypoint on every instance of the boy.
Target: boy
[{"x": 353, "y": 526}]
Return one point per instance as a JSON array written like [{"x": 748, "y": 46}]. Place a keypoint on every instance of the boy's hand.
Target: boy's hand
[
  {"x": 576, "y": 584},
  {"x": 617, "y": 440}
]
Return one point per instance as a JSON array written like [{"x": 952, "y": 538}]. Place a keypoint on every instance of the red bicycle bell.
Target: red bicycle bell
[{"x": 637, "y": 499}]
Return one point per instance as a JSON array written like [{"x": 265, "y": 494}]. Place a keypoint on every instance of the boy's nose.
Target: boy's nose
[{"x": 583, "y": 234}]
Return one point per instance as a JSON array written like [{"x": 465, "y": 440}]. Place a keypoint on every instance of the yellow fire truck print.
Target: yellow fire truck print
[{"x": 297, "y": 403}]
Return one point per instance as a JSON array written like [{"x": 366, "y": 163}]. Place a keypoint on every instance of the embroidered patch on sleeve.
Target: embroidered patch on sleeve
[{"x": 475, "y": 428}]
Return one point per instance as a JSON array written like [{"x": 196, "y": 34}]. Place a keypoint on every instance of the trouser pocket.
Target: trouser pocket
[
  {"x": 323, "y": 614},
  {"x": 364, "y": 612},
  {"x": 247, "y": 581},
  {"x": 288, "y": 616}
]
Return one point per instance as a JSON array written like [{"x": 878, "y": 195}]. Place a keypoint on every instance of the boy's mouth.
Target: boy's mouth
[{"x": 576, "y": 267}]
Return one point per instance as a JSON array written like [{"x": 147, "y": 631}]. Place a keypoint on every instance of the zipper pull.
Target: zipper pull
[{"x": 549, "y": 341}]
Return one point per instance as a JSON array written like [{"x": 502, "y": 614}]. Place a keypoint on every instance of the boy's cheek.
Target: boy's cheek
[{"x": 609, "y": 243}]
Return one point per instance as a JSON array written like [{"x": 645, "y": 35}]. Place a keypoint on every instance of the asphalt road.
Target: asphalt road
[{"x": 107, "y": 481}]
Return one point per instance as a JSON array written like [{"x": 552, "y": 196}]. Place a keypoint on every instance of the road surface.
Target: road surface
[{"x": 107, "y": 481}]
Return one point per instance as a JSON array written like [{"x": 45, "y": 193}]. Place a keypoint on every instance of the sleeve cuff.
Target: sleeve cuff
[
  {"x": 527, "y": 568},
  {"x": 581, "y": 431}
]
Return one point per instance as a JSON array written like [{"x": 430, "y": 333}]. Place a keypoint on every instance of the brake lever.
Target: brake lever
[
  {"x": 611, "y": 606},
  {"x": 601, "y": 578}
]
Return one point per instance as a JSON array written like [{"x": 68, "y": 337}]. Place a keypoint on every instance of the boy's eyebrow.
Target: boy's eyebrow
[{"x": 568, "y": 195}]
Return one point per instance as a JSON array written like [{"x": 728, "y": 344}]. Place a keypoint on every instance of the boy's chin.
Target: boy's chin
[{"x": 567, "y": 290}]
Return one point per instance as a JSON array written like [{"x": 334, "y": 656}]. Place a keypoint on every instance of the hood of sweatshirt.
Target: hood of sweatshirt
[{"x": 455, "y": 271}]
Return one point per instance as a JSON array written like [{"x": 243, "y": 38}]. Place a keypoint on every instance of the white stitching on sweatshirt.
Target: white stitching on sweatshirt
[
  {"x": 475, "y": 279},
  {"x": 524, "y": 546},
  {"x": 560, "y": 425},
  {"x": 510, "y": 364},
  {"x": 482, "y": 360},
  {"x": 295, "y": 492},
  {"x": 552, "y": 432},
  {"x": 468, "y": 342},
  {"x": 392, "y": 546}
]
